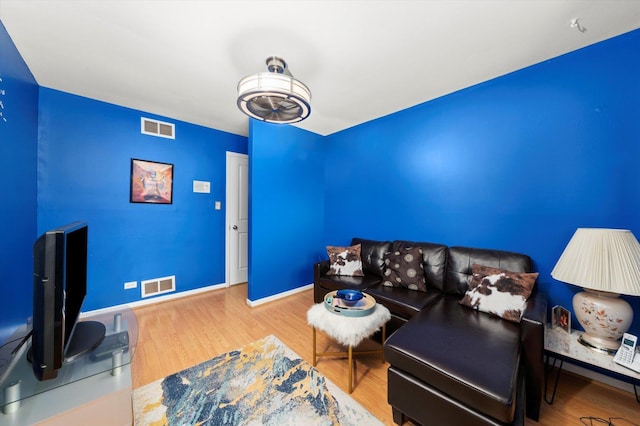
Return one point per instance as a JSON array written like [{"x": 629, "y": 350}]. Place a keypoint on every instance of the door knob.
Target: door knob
[{"x": 235, "y": 227}]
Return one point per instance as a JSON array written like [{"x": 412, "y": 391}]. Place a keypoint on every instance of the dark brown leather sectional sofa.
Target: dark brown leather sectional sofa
[{"x": 450, "y": 364}]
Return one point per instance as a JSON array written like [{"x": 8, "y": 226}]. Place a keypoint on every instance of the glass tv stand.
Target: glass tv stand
[{"x": 92, "y": 389}]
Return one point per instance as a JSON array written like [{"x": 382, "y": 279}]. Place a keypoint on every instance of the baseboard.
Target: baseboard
[
  {"x": 594, "y": 375},
  {"x": 268, "y": 299},
  {"x": 181, "y": 294},
  {"x": 157, "y": 299}
]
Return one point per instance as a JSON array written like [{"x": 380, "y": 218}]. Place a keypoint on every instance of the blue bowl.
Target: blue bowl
[{"x": 349, "y": 297}]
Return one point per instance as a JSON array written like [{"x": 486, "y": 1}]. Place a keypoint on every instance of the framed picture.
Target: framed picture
[
  {"x": 151, "y": 182},
  {"x": 561, "y": 317}
]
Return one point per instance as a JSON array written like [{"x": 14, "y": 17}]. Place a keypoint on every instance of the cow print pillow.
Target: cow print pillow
[
  {"x": 345, "y": 261},
  {"x": 499, "y": 292},
  {"x": 403, "y": 268}
]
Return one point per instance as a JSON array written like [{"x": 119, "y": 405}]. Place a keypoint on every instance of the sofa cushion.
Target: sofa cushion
[
  {"x": 499, "y": 292},
  {"x": 434, "y": 261},
  {"x": 345, "y": 261},
  {"x": 459, "y": 274},
  {"x": 482, "y": 375},
  {"x": 337, "y": 282},
  {"x": 403, "y": 268},
  {"x": 401, "y": 301},
  {"x": 372, "y": 253}
]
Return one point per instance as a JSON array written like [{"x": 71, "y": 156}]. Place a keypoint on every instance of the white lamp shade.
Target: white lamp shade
[{"x": 601, "y": 259}]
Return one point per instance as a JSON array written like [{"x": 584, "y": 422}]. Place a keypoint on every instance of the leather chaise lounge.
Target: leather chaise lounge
[{"x": 450, "y": 364}]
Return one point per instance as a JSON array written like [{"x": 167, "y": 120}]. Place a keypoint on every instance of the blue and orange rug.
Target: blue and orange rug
[{"x": 262, "y": 383}]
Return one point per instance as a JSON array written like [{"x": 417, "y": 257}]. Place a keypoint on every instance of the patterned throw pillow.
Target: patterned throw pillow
[
  {"x": 345, "y": 261},
  {"x": 403, "y": 268},
  {"x": 499, "y": 292}
]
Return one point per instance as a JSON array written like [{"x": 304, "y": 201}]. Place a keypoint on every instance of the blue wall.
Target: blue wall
[
  {"x": 516, "y": 163},
  {"x": 18, "y": 147},
  {"x": 286, "y": 204},
  {"x": 84, "y": 159}
]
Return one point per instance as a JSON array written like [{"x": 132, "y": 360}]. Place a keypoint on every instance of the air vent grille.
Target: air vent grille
[
  {"x": 157, "y": 128},
  {"x": 156, "y": 286}
]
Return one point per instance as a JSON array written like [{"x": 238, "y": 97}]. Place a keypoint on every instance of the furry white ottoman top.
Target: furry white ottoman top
[{"x": 348, "y": 331}]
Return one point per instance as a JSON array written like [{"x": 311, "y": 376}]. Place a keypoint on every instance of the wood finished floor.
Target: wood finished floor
[{"x": 178, "y": 334}]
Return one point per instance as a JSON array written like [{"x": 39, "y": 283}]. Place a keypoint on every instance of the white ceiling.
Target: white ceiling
[{"x": 361, "y": 59}]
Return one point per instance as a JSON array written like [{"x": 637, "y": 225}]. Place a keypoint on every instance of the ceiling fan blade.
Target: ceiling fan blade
[
  {"x": 286, "y": 104},
  {"x": 266, "y": 102}
]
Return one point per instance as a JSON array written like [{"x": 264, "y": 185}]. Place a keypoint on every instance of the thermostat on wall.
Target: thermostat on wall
[{"x": 201, "y": 186}]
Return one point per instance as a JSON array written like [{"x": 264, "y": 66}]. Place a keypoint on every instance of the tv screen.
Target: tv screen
[{"x": 59, "y": 288}]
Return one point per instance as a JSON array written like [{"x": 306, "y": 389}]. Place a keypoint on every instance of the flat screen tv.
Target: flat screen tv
[{"x": 59, "y": 289}]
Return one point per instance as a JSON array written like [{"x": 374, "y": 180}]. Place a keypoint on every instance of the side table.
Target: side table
[
  {"x": 562, "y": 346},
  {"x": 348, "y": 331}
]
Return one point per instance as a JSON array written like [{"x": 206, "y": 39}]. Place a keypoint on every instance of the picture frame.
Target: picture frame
[
  {"x": 561, "y": 317},
  {"x": 151, "y": 182}
]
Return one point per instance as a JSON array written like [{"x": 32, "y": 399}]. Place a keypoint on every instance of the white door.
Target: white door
[{"x": 237, "y": 218}]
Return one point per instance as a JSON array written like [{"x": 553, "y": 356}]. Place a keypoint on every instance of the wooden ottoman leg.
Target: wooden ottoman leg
[
  {"x": 384, "y": 335},
  {"x": 350, "y": 369},
  {"x": 314, "y": 347}
]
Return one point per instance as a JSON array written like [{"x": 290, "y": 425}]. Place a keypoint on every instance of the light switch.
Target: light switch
[{"x": 218, "y": 205}]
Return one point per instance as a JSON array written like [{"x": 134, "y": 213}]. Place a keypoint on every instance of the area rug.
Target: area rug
[{"x": 262, "y": 383}]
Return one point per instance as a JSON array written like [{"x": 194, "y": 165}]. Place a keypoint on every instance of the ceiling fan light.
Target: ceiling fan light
[{"x": 274, "y": 97}]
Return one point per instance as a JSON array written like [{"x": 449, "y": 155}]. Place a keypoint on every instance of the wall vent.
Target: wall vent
[
  {"x": 158, "y": 286},
  {"x": 157, "y": 128}
]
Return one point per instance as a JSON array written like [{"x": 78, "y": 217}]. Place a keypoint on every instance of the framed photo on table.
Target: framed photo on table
[
  {"x": 561, "y": 317},
  {"x": 151, "y": 182}
]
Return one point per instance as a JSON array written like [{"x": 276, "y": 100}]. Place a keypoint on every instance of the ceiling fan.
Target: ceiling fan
[{"x": 274, "y": 96}]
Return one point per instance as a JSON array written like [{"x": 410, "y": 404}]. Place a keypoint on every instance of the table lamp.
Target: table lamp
[{"x": 606, "y": 263}]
